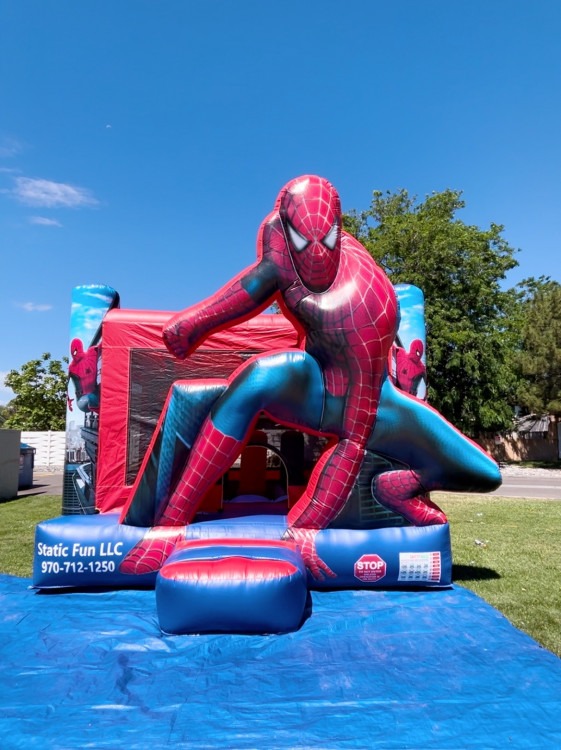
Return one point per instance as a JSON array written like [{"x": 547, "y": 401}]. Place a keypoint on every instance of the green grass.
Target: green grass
[
  {"x": 18, "y": 519},
  {"x": 535, "y": 464},
  {"x": 506, "y": 551}
]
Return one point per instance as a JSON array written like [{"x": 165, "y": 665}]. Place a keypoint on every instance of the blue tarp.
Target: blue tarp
[{"x": 368, "y": 669}]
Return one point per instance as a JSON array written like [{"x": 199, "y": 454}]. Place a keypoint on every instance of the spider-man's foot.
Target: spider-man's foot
[
  {"x": 305, "y": 541},
  {"x": 151, "y": 552},
  {"x": 402, "y": 492}
]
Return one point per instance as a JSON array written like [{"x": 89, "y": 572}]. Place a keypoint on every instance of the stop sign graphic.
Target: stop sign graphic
[{"x": 370, "y": 568}]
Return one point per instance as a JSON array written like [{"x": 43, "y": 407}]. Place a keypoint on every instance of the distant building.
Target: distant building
[{"x": 533, "y": 438}]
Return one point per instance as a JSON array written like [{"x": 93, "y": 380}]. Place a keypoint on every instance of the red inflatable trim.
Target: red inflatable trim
[
  {"x": 229, "y": 569},
  {"x": 233, "y": 542}
]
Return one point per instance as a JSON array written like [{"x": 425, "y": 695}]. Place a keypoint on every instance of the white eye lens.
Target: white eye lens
[
  {"x": 330, "y": 239},
  {"x": 297, "y": 240}
]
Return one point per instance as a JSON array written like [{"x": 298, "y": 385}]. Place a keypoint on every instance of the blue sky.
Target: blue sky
[{"x": 142, "y": 141}]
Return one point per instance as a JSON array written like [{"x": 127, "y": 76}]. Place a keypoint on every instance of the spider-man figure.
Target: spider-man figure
[
  {"x": 83, "y": 373},
  {"x": 329, "y": 285},
  {"x": 410, "y": 369}
]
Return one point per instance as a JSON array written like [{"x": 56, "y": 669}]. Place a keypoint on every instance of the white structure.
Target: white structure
[{"x": 49, "y": 448}]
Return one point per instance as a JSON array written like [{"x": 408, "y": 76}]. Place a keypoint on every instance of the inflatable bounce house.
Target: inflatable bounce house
[{"x": 234, "y": 459}]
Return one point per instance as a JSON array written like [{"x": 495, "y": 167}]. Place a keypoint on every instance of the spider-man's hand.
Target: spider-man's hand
[
  {"x": 305, "y": 540},
  {"x": 179, "y": 337}
]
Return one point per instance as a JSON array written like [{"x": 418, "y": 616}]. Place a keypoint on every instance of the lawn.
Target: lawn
[
  {"x": 506, "y": 551},
  {"x": 18, "y": 519}
]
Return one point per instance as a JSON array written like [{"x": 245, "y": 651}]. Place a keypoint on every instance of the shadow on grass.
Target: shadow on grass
[
  {"x": 37, "y": 489},
  {"x": 6, "y": 500},
  {"x": 473, "y": 573}
]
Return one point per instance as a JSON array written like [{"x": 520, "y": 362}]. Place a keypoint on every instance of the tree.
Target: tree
[
  {"x": 539, "y": 358},
  {"x": 5, "y": 412},
  {"x": 40, "y": 386},
  {"x": 471, "y": 330}
]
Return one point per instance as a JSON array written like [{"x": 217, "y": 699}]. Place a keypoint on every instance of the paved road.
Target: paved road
[
  {"x": 525, "y": 483},
  {"x": 44, "y": 483},
  {"x": 531, "y": 483}
]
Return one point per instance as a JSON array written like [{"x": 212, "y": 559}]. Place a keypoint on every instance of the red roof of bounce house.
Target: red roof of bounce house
[{"x": 127, "y": 331}]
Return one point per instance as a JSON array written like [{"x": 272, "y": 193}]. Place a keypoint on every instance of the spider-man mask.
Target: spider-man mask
[
  {"x": 416, "y": 351},
  {"x": 310, "y": 212},
  {"x": 76, "y": 349}
]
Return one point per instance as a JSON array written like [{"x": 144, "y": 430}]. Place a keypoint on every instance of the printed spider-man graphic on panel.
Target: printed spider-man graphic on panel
[
  {"x": 410, "y": 369},
  {"x": 82, "y": 371}
]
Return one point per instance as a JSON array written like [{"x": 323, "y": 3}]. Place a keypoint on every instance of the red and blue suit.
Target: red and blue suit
[
  {"x": 82, "y": 371},
  {"x": 335, "y": 293},
  {"x": 410, "y": 369}
]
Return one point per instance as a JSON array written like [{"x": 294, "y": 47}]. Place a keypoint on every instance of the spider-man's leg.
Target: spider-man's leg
[
  {"x": 402, "y": 492},
  {"x": 88, "y": 402},
  {"x": 152, "y": 551},
  {"x": 325, "y": 496},
  {"x": 212, "y": 453},
  {"x": 288, "y": 385},
  {"x": 329, "y": 487}
]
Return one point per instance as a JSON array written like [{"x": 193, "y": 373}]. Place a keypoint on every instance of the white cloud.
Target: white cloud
[
  {"x": 85, "y": 320},
  {"x": 9, "y": 147},
  {"x": 44, "y": 222},
  {"x": 34, "y": 191},
  {"x": 105, "y": 298},
  {"x": 33, "y": 307}
]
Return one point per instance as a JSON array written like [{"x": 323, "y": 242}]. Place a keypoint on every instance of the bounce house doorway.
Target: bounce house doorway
[{"x": 270, "y": 474}]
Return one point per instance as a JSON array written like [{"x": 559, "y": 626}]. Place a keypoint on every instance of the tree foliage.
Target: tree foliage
[
  {"x": 539, "y": 359},
  {"x": 40, "y": 386},
  {"x": 471, "y": 320},
  {"x": 5, "y": 413}
]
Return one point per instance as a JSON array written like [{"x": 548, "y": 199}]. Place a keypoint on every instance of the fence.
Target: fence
[{"x": 49, "y": 448}]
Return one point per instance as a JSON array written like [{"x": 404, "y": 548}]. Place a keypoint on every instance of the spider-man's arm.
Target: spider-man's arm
[{"x": 249, "y": 293}]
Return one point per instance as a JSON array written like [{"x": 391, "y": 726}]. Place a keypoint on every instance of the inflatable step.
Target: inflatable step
[{"x": 232, "y": 586}]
